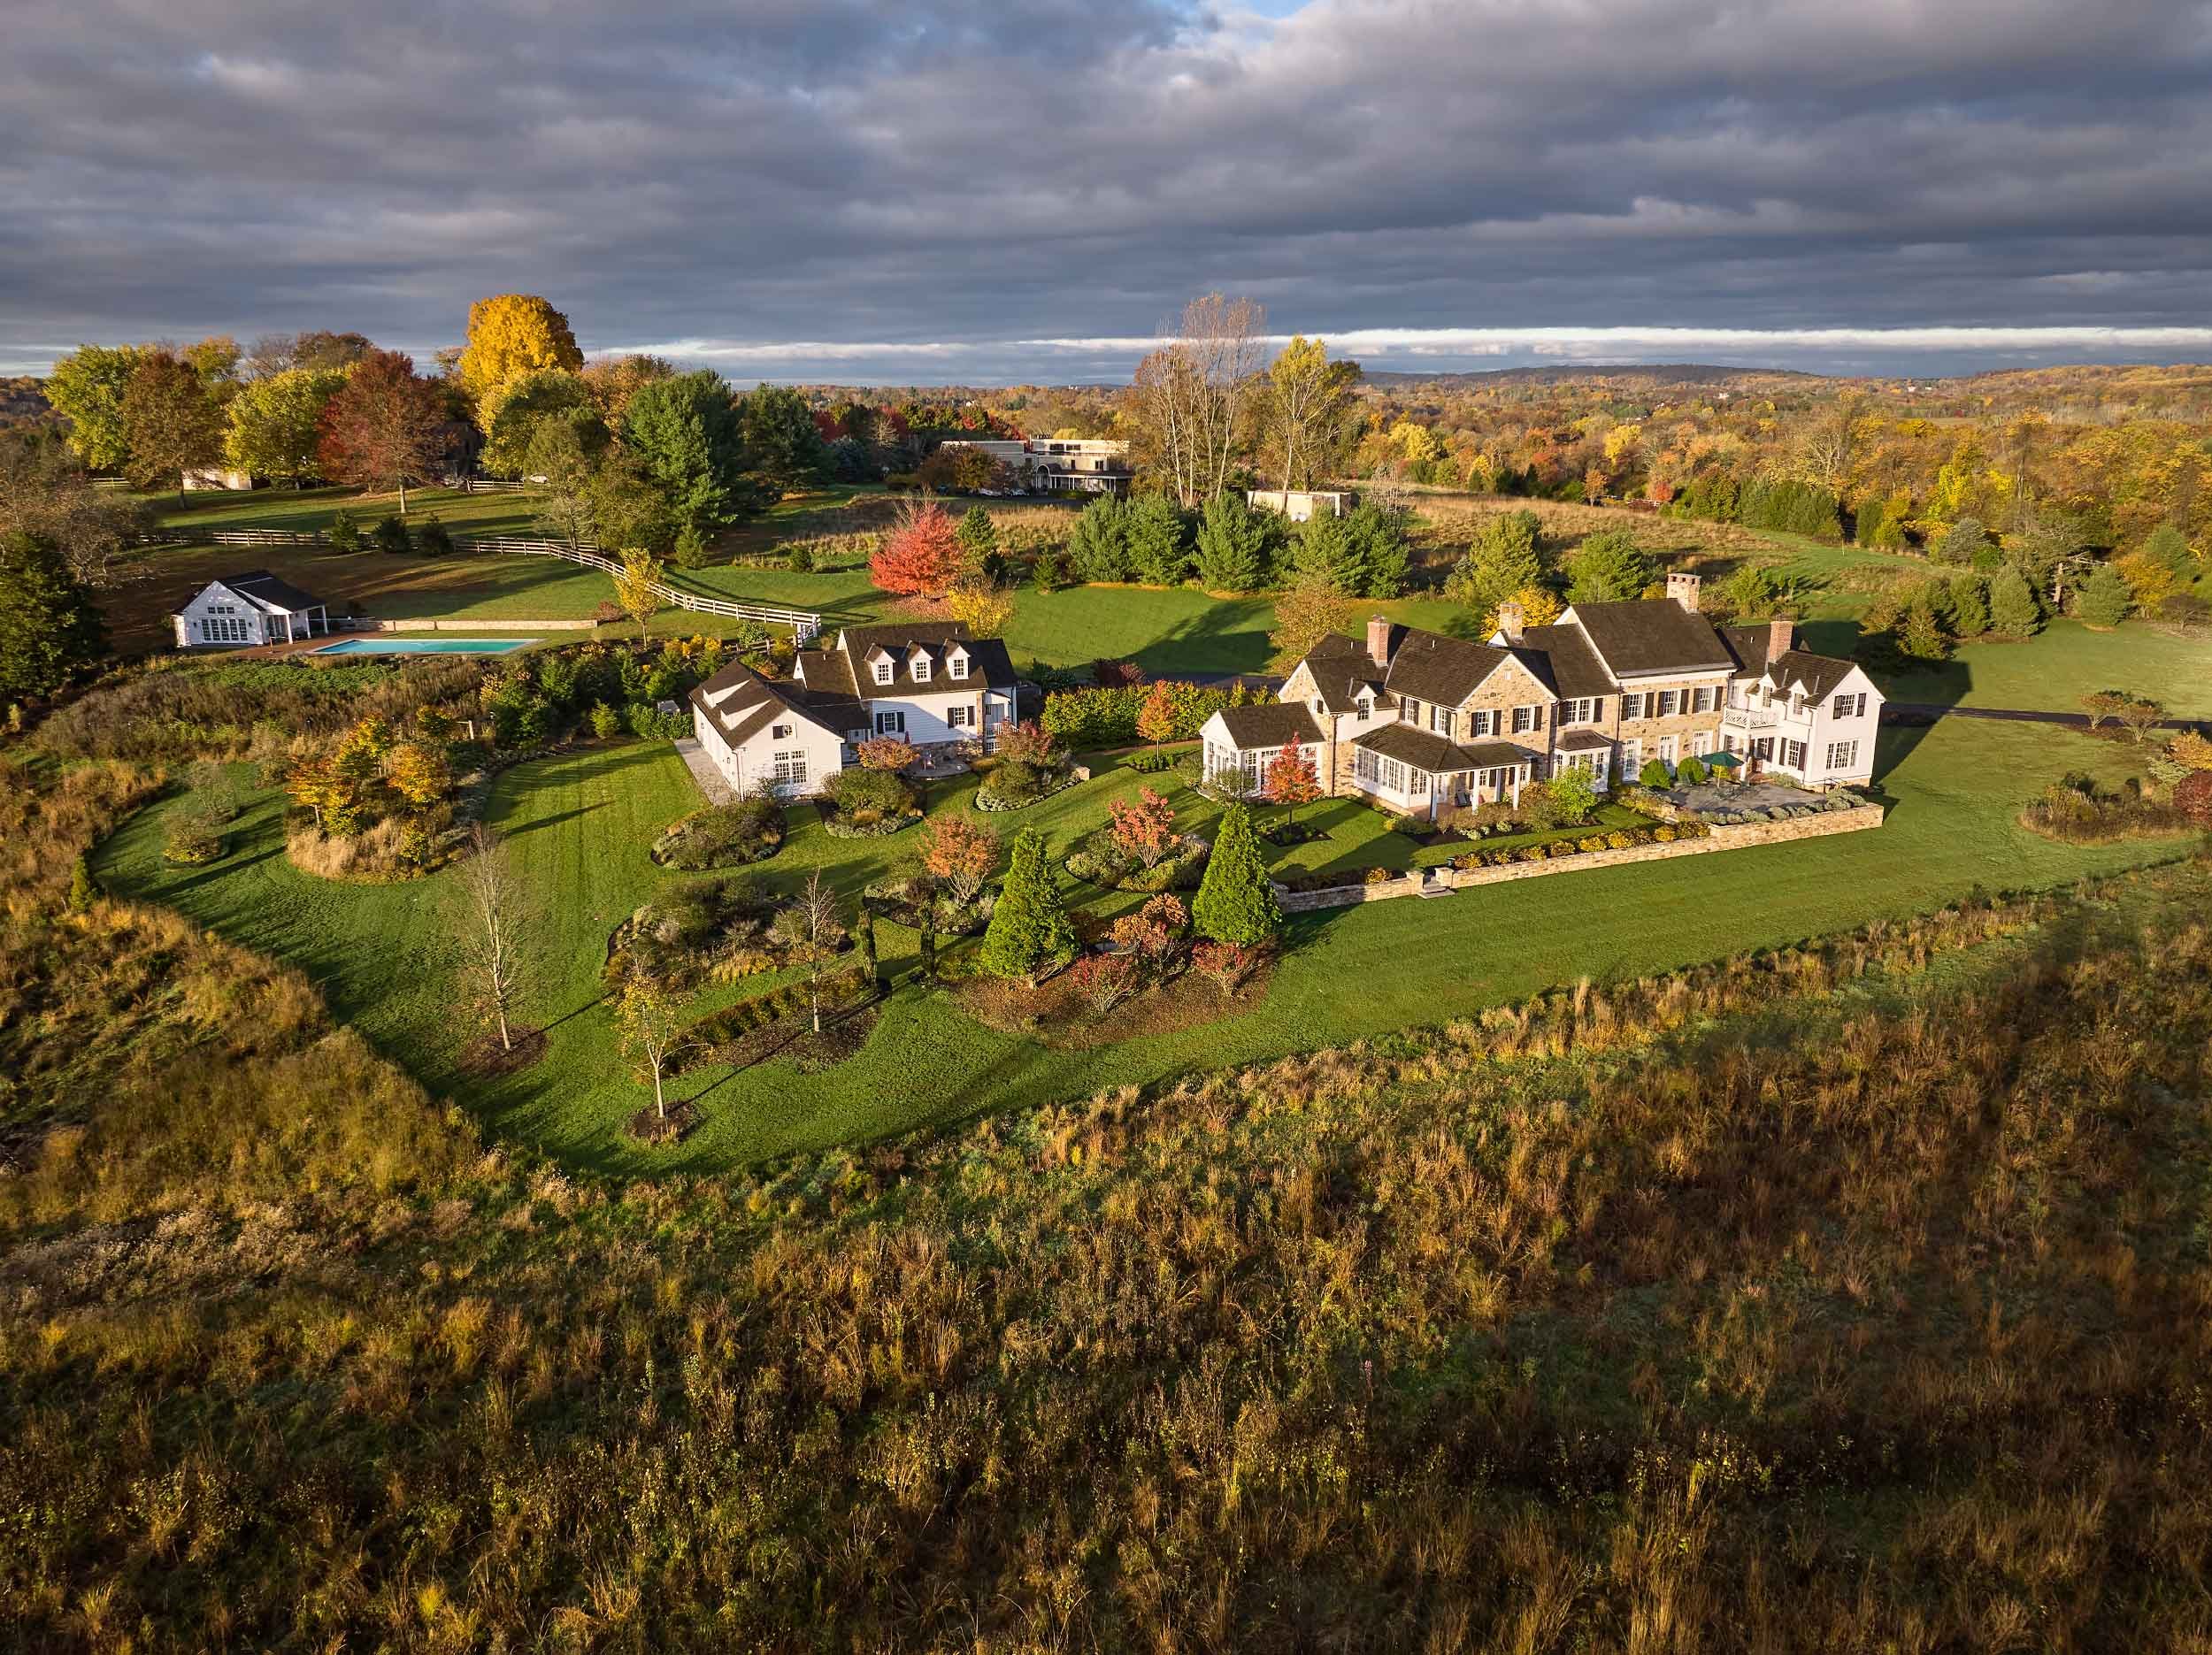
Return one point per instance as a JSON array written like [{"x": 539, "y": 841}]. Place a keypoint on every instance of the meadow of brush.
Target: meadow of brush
[{"x": 1850, "y": 1296}]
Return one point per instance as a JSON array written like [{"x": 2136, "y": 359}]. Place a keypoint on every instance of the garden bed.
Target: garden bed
[{"x": 722, "y": 836}]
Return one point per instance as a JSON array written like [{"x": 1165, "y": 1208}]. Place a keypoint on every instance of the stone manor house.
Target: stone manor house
[{"x": 1419, "y": 724}]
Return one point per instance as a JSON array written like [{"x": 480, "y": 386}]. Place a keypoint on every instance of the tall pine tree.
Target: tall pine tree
[{"x": 1232, "y": 546}]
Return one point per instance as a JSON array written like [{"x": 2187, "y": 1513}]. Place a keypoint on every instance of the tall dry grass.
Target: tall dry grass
[{"x": 1852, "y": 1297}]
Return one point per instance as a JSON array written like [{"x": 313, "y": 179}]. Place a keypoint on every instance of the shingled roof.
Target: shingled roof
[
  {"x": 1435, "y": 668},
  {"x": 907, "y": 642},
  {"x": 1425, "y": 751},
  {"x": 1819, "y": 674},
  {"x": 261, "y": 589},
  {"x": 1342, "y": 669},
  {"x": 740, "y": 703},
  {"x": 1575, "y": 669},
  {"x": 1269, "y": 725},
  {"x": 1646, "y": 636}
]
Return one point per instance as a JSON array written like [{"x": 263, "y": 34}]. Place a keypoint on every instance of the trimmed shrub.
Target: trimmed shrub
[{"x": 1235, "y": 902}]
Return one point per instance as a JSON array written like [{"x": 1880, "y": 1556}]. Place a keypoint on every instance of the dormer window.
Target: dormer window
[
  {"x": 956, "y": 664},
  {"x": 920, "y": 668},
  {"x": 884, "y": 672}
]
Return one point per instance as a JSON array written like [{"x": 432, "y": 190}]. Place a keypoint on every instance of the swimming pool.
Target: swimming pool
[{"x": 424, "y": 647}]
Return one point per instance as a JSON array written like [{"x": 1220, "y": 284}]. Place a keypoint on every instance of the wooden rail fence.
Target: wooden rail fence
[{"x": 804, "y": 623}]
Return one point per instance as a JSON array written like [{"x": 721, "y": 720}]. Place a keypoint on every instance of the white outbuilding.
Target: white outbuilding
[{"x": 252, "y": 608}]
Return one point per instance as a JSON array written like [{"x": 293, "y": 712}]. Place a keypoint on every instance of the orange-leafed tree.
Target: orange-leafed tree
[
  {"x": 1291, "y": 779},
  {"x": 921, "y": 556},
  {"x": 1156, "y": 718},
  {"x": 1144, "y": 827},
  {"x": 960, "y": 855}
]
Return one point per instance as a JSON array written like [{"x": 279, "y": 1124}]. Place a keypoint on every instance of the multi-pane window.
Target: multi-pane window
[
  {"x": 891, "y": 723},
  {"x": 790, "y": 766},
  {"x": 1374, "y": 771},
  {"x": 1410, "y": 709},
  {"x": 1524, "y": 720},
  {"x": 1793, "y": 755},
  {"x": 1486, "y": 724},
  {"x": 1631, "y": 706},
  {"x": 1632, "y": 759},
  {"x": 921, "y": 669},
  {"x": 958, "y": 667},
  {"x": 1440, "y": 719},
  {"x": 1842, "y": 754},
  {"x": 960, "y": 717},
  {"x": 883, "y": 671},
  {"x": 1669, "y": 703},
  {"x": 1702, "y": 699},
  {"x": 1584, "y": 711},
  {"x": 1850, "y": 706}
]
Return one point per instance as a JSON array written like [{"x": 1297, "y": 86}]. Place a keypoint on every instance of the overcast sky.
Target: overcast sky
[{"x": 936, "y": 190}]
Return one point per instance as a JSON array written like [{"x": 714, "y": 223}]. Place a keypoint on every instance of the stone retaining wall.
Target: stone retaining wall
[
  {"x": 1737, "y": 836},
  {"x": 485, "y": 627}
]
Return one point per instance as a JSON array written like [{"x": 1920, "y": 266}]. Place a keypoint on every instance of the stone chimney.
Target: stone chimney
[
  {"x": 1378, "y": 640},
  {"x": 1781, "y": 636},
  {"x": 1682, "y": 588},
  {"x": 1510, "y": 617}
]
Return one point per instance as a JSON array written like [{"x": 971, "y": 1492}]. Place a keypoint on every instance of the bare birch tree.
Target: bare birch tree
[
  {"x": 492, "y": 947},
  {"x": 652, "y": 1030},
  {"x": 811, "y": 927},
  {"x": 1189, "y": 397}
]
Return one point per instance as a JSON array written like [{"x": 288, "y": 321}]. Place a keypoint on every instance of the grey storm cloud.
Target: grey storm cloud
[{"x": 940, "y": 189}]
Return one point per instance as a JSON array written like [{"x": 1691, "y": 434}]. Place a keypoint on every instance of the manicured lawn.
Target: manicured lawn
[
  {"x": 581, "y": 823},
  {"x": 2051, "y": 671}
]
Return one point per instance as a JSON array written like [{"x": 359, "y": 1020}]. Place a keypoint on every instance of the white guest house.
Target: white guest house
[
  {"x": 926, "y": 682},
  {"x": 254, "y": 607}
]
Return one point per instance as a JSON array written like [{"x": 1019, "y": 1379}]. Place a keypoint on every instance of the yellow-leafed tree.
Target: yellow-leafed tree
[{"x": 511, "y": 334}]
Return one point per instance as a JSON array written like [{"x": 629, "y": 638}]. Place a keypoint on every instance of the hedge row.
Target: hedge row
[{"x": 1107, "y": 717}]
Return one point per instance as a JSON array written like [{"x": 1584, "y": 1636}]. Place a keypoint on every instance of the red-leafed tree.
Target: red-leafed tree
[
  {"x": 1144, "y": 826},
  {"x": 887, "y": 753},
  {"x": 921, "y": 556},
  {"x": 1291, "y": 779},
  {"x": 381, "y": 430}
]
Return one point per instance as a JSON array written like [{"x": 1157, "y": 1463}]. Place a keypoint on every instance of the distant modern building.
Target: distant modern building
[
  {"x": 1298, "y": 504},
  {"x": 1092, "y": 465},
  {"x": 252, "y": 608}
]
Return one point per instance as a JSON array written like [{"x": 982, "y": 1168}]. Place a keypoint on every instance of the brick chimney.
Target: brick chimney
[
  {"x": 1682, "y": 588},
  {"x": 1510, "y": 617},
  {"x": 1378, "y": 640},
  {"x": 1781, "y": 636}
]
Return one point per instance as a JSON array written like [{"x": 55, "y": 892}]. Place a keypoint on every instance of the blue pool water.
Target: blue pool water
[{"x": 424, "y": 647}]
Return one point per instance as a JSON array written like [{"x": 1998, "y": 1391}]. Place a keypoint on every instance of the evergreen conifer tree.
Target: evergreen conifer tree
[
  {"x": 2013, "y": 610},
  {"x": 49, "y": 628},
  {"x": 1098, "y": 545},
  {"x": 1235, "y": 903},
  {"x": 1232, "y": 546},
  {"x": 2105, "y": 597},
  {"x": 1030, "y": 932},
  {"x": 1159, "y": 542},
  {"x": 1378, "y": 550}
]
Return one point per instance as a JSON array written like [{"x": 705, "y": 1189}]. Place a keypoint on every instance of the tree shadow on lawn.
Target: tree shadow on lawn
[
  {"x": 1226, "y": 636},
  {"x": 556, "y": 819}
]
